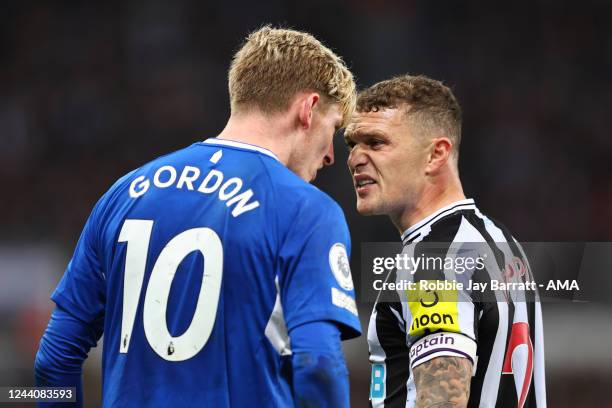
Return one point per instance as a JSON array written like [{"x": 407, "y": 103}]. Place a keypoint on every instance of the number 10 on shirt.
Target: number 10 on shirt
[{"x": 137, "y": 234}]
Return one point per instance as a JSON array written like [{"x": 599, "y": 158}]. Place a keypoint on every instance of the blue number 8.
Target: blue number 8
[{"x": 377, "y": 383}]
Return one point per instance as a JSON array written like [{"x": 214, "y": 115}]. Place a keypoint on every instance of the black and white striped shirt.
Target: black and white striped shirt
[{"x": 499, "y": 331}]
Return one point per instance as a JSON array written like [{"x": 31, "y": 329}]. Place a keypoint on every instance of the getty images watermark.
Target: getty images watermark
[{"x": 490, "y": 271}]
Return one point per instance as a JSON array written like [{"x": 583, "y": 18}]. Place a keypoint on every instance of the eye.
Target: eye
[
  {"x": 375, "y": 143},
  {"x": 349, "y": 144}
]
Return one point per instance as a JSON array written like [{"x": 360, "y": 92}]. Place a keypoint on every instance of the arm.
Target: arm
[
  {"x": 443, "y": 382},
  {"x": 320, "y": 377},
  {"x": 77, "y": 322},
  {"x": 318, "y": 300},
  {"x": 61, "y": 353}
]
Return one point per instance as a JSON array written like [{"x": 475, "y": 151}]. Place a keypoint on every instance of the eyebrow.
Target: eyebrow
[
  {"x": 347, "y": 137},
  {"x": 368, "y": 133}
]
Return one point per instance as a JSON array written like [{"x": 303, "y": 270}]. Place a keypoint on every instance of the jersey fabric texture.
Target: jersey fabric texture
[
  {"x": 196, "y": 266},
  {"x": 499, "y": 332}
]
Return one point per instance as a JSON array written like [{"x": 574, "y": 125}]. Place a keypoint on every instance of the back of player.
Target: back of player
[
  {"x": 185, "y": 258},
  {"x": 217, "y": 274}
]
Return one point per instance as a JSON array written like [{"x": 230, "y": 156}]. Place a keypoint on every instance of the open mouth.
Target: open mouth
[{"x": 363, "y": 183}]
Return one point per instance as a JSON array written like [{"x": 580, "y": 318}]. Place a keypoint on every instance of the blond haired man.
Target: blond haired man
[
  {"x": 431, "y": 347},
  {"x": 218, "y": 275}
]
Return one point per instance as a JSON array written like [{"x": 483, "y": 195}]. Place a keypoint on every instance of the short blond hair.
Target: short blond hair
[{"x": 274, "y": 64}]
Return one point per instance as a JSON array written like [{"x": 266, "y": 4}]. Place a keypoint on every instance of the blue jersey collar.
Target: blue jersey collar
[{"x": 240, "y": 145}]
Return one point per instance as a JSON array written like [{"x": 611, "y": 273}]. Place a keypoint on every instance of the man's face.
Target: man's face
[
  {"x": 386, "y": 161},
  {"x": 317, "y": 149}
]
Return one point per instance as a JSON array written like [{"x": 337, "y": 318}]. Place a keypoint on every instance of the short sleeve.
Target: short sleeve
[
  {"x": 315, "y": 276},
  {"x": 82, "y": 289},
  {"x": 442, "y": 312}
]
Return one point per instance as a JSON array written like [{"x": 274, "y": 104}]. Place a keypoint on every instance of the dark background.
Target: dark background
[{"x": 89, "y": 91}]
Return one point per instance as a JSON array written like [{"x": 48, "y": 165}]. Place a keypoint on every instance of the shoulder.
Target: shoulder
[
  {"x": 123, "y": 183},
  {"x": 489, "y": 228},
  {"x": 467, "y": 226},
  {"x": 507, "y": 234},
  {"x": 445, "y": 229},
  {"x": 305, "y": 197}
]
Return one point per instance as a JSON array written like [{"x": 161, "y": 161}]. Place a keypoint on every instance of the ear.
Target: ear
[
  {"x": 439, "y": 154},
  {"x": 306, "y": 107}
]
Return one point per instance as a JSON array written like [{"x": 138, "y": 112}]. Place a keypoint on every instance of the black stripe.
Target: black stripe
[{"x": 487, "y": 330}]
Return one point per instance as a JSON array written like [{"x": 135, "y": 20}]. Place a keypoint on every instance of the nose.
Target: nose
[
  {"x": 356, "y": 158},
  {"x": 328, "y": 160}
]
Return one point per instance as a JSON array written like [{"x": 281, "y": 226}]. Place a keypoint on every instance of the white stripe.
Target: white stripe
[
  {"x": 411, "y": 391},
  {"x": 276, "y": 329},
  {"x": 400, "y": 320},
  {"x": 490, "y": 386},
  {"x": 538, "y": 360},
  {"x": 539, "y": 377},
  {"x": 240, "y": 145},
  {"x": 377, "y": 354}
]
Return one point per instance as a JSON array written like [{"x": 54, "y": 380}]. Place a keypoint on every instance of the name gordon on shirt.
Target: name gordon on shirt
[{"x": 229, "y": 191}]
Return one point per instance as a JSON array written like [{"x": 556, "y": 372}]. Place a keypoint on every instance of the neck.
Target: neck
[
  {"x": 432, "y": 198},
  {"x": 267, "y": 131}
]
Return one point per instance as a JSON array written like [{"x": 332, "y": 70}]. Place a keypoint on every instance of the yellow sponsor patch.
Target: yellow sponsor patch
[{"x": 432, "y": 309}]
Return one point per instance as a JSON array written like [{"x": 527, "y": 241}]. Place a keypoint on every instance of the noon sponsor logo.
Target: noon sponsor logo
[
  {"x": 433, "y": 310},
  {"x": 432, "y": 319}
]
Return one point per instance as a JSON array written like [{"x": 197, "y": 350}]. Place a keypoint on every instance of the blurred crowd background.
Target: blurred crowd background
[{"x": 91, "y": 90}]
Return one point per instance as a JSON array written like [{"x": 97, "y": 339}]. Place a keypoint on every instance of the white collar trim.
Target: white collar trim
[{"x": 240, "y": 145}]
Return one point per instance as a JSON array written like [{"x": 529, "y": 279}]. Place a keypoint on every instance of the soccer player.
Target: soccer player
[
  {"x": 430, "y": 347},
  {"x": 218, "y": 275}
]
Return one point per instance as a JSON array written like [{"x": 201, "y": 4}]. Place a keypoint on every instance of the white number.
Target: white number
[{"x": 137, "y": 234}]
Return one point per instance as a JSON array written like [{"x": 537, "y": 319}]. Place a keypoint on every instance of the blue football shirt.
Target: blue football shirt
[{"x": 195, "y": 267}]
